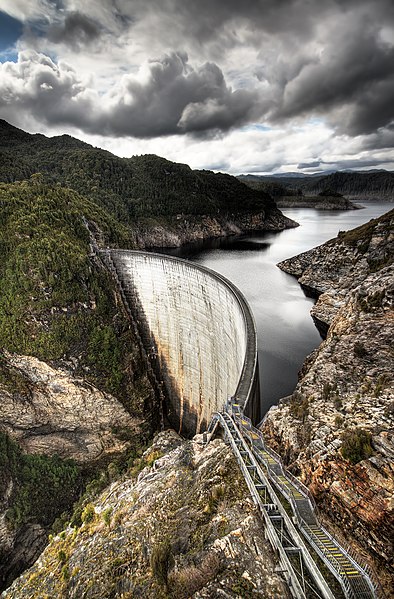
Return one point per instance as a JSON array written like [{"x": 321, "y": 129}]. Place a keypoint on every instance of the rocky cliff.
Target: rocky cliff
[
  {"x": 51, "y": 412},
  {"x": 336, "y": 430},
  {"x": 181, "y": 229},
  {"x": 183, "y": 527}
]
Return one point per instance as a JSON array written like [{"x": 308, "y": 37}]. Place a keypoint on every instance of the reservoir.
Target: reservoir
[{"x": 286, "y": 333}]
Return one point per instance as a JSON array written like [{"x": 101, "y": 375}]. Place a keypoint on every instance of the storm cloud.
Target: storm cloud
[
  {"x": 76, "y": 30},
  {"x": 204, "y": 68},
  {"x": 171, "y": 97}
]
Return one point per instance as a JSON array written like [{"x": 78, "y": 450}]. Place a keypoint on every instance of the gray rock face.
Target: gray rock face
[
  {"x": 346, "y": 387},
  {"x": 181, "y": 229},
  {"x": 185, "y": 526},
  {"x": 61, "y": 414},
  {"x": 50, "y": 412}
]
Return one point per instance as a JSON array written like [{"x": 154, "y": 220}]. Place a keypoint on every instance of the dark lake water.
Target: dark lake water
[{"x": 286, "y": 333}]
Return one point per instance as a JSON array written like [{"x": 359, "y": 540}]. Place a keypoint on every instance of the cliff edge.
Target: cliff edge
[
  {"x": 336, "y": 429},
  {"x": 179, "y": 524}
]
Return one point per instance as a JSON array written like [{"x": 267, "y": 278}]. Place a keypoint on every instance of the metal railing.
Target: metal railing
[
  {"x": 270, "y": 509},
  {"x": 356, "y": 581}
]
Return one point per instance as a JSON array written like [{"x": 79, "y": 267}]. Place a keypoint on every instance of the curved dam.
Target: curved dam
[{"x": 198, "y": 328}]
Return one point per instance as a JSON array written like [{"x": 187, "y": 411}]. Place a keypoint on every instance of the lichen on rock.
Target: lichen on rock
[
  {"x": 336, "y": 430},
  {"x": 184, "y": 526}
]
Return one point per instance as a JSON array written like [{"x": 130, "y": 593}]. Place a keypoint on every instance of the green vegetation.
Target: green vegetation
[
  {"x": 161, "y": 561},
  {"x": 43, "y": 485},
  {"x": 55, "y": 302},
  {"x": 329, "y": 193},
  {"x": 128, "y": 188},
  {"x": 356, "y": 445},
  {"x": 270, "y": 186},
  {"x": 361, "y": 237},
  {"x": 88, "y": 513},
  {"x": 376, "y": 185},
  {"x": 299, "y": 407},
  {"x": 373, "y": 184}
]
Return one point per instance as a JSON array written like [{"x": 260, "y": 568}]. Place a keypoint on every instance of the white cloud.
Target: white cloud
[
  {"x": 25, "y": 11},
  {"x": 118, "y": 71}
]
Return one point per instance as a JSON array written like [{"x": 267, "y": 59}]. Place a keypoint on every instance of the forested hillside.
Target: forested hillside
[
  {"x": 129, "y": 188},
  {"x": 374, "y": 185},
  {"x": 54, "y": 301},
  {"x": 362, "y": 185},
  {"x": 59, "y": 304}
]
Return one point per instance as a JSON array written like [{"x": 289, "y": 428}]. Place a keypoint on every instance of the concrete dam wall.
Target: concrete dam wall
[{"x": 198, "y": 328}]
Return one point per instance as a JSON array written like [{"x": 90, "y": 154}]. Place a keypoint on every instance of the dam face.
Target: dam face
[{"x": 198, "y": 328}]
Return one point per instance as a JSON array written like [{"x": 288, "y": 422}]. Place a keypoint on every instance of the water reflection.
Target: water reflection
[
  {"x": 235, "y": 243},
  {"x": 286, "y": 332}
]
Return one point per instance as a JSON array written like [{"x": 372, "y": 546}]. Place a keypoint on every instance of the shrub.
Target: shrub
[
  {"x": 151, "y": 458},
  {"x": 359, "y": 350},
  {"x": 216, "y": 494},
  {"x": 326, "y": 391},
  {"x": 338, "y": 421},
  {"x": 88, "y": 513},
  {"x": 62, "y": 556},
  {"x": 299, "y": 409},
  {"x": 190, "y": 579},
  {"x": 161, "y": 561},
  {"x": 107, "y": 515},
  {"x": 337, "y": 402},
  {"x": 356, "y": 445}
]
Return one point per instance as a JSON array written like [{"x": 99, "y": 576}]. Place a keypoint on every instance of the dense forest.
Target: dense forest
[
  {"x": 129, "y": 188},
  {"x": 362, "y": 185},
  {"x": 55, "y": 301}
]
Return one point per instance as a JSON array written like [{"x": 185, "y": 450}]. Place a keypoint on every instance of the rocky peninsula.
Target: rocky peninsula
[
  {"x": 175, "y": 231},
  {"x": 319, "y": 202}
]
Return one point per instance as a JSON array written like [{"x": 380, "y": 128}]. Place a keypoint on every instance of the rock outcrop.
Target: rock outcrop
[
  {"x": 185, "y": 527},
  {"x": 337, "y": 429},
  {"x": 56, "y": 413},
  {"x": 51, "y": 413}
]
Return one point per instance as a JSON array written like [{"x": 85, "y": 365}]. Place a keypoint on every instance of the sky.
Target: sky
[{"x": 240, "y": 86}]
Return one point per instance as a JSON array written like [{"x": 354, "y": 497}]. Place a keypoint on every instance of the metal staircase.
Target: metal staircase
[{"x": 291, "y": 534}]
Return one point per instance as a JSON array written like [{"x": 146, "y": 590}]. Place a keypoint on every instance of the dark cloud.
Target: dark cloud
[
  {"x": 76, "y": 30},
  {"x": 176, "y": 98},
  {"x": 313, "y": 164},
  {"x": 356, "y": 71},
  {"x": 328, "y": 58},
  {"x": 333, "y": 59},
  {"x": 357, "y": 163},
  {"x": 173, "y": 98}
]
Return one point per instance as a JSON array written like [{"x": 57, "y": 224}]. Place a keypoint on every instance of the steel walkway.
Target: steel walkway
[{"x": 295, "y": 530}]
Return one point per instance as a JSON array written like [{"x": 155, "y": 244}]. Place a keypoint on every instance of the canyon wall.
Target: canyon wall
[{"x": 336, "y": 430}]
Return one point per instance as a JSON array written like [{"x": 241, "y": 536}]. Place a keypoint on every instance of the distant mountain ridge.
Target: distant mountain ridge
[{"x": 374, "y": 184}]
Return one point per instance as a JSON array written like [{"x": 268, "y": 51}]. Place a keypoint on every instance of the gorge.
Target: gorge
[{"x": 67, "y": 341}]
